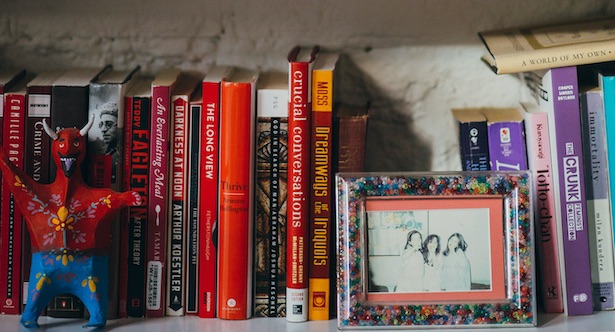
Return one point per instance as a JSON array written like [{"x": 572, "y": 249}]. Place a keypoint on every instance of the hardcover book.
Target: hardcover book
[
  {"x": 178, "y": 216},
  {"x": 556, "y": 91},
  {"x": 236, "y": 223},
  {"x": 208, "y": 192},
  {"x": 321, "y": 191},
  {"x": 300, "y": 62},
  {"x": 38, "y": 147},
  {"x": 350, "y": 137},
  {"x": 158, "y": 195},
  {"x": 546, "y": 215},
  {"x": 598, "y": 197},
  {"x": 137, "y": 145},
  {"x": 15, "y": 110},
  {"x": 506, "y": 139},
  {"x": 271, "y": 195},
  {"x": 526, "y": 49},
  {"x": 473, "y": 139},
  {"x": 105, "y": 149}
]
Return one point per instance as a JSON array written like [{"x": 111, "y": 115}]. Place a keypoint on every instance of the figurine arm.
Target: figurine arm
[
  {"x": 130, "y": 198},
  {"x": 9, "y": 171}
]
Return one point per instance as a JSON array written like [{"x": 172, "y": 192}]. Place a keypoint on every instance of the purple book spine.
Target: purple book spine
[
  {"x": 564, "y": 93},
  {"x": 507, "y": 146}
]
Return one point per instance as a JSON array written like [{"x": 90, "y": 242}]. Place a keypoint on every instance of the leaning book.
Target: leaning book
[{"x": 542, "y": 47}]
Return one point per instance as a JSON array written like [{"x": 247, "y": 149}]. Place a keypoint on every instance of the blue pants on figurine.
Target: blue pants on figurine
[{"x": 83, "y": 275}]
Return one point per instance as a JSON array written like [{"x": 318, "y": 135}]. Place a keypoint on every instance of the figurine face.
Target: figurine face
[{"x": 68, "y": 150}]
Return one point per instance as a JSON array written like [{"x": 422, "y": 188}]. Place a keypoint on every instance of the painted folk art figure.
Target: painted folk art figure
[{"x": 70, "y": 226}]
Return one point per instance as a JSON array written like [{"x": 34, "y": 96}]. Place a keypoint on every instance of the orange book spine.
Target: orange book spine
[
  {"x": 298, "y": 210},
  {"x": 321, "y": 187},
  {"x": 237, "y": 138}
]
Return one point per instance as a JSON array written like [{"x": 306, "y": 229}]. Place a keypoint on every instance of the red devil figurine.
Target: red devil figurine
[{"x": 69, "y": 224}]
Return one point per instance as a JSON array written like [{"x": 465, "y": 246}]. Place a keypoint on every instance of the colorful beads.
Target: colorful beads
[{"x": 354, "y": 310}]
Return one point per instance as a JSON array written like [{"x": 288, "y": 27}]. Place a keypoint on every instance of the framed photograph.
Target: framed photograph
[{"x": 435, "y": 250}]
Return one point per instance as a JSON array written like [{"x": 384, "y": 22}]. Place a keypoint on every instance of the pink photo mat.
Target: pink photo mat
[{"x": 494, "y": 204}]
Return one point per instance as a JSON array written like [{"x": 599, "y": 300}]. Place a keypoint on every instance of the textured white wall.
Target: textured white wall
[{"x": 415, "y": 60}]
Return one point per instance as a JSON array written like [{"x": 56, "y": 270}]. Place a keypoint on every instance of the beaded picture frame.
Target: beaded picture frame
[{"x": 435, "y": 250}]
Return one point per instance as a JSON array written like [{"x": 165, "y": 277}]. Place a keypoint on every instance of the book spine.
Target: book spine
[
  {"x": 176, "y": 241},
  {"x": 105, "y": 152},
  {"x": 598, "y": 200},
  {"x": 562, "y": 85},
  {"x": 192, "y": 241},
  {"x": 539, "y": 160},
  {"x": 297, "y": 232},
  {"x": 271, "y": 197},
  {"x": 158, "y": 201},
  {"x": 37, "y": 159},
  {"x": 507, "y": 149},
  {"x": 350, "y": 138},
  {"x": 208, "y": 197},
  {"x": 124, "y": 214},
  {"x": 69, "y": 108},
  {"x": 319, "y": 298},
  {"x": 237, "y": 127},
  {"x": 11, "y": 222},
  {"x": 474, "y": 146},
  {"x": 139, "y": 161}
]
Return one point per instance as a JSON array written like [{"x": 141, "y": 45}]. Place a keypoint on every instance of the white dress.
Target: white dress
[
  {"x": 433, "y": 273},
  {"x": 412, "y": 271},
  {"x": 456, "y": 275}
]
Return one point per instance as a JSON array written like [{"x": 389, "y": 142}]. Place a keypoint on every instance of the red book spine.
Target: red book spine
[
  {"x": 208, "y": 196},
  {"x": 298, "y": 204},
  {"x": 158, "y": 201},
  {"x": 237, "y": 138},
  {"x": 176, "y": 287},
  {"x": 11, "y": 229}
]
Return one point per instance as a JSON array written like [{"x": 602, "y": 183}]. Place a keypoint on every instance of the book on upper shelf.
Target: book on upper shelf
[
  {"x": 158, "y": 195},
  {"x": 271, "y": 195},
  {"x": 11, "y": 223},
  {"x": 105, "y": 151},
  {"x": 598, "y": 200},
  {"x": 134, "y": 236},
  {"x": 523, "y": 49},
  {"x": 300, "y": 61},
  {"x": 545, "y": 214},
  {"x": 321, "y": 191},
  {"x": 236, "y": 223},
  {"x": 473, "y": 139},
  {"x": 178, "y": 197},
  {"x": 506, "y": 140},
  {"x": 556, "y": 91},
  {"x": 209, "y": 189}
]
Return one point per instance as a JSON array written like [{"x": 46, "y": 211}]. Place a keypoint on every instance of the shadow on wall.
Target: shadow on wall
[{"x": 392, "y": 145}]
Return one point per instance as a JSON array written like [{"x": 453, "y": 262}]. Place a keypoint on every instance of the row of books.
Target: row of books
[
  {"x": 222, "y": 162},
  {"x": 562, "y": 135},
  {"x": 570, "y": 140}
]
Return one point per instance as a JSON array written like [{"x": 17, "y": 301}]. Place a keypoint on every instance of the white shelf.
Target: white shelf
[{"x": 601, "y": 321}]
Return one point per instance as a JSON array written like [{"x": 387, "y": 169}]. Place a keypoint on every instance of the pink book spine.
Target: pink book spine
[{"x": 539, "y": 158}]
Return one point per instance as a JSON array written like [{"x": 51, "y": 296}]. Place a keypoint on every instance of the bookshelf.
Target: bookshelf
[{"x": 415, "y": 60}]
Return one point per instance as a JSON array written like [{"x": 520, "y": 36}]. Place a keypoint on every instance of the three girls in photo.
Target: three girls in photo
[{"x": 426, "y": 267}]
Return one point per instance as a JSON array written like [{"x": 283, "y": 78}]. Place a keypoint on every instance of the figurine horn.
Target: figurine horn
[
  {"x": 86, "y": 128},
  {"x": 49, "y": 131}
]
